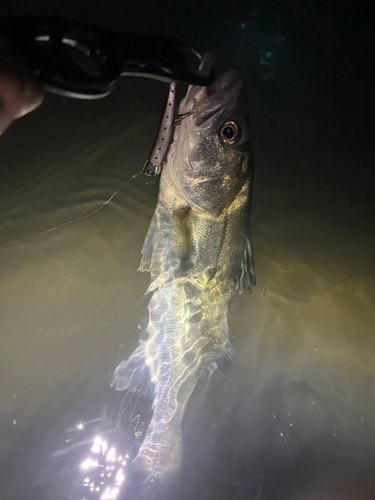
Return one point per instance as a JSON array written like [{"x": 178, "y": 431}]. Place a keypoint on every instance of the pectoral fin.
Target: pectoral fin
[{"x": 180, "y": 218}]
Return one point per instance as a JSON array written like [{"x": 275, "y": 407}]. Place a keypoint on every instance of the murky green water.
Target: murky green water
[{"x": 294, "y": 419}]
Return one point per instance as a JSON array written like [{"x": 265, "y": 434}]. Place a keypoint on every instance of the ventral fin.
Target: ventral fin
[
  {"x": 180, "y": 218},
  {"x": 149, "y": 245}
]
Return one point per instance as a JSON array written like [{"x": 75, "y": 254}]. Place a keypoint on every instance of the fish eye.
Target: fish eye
[{"x": 229, "y": 132}]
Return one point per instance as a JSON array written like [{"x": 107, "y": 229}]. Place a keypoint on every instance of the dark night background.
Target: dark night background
[{"x": 294, "y": 419}]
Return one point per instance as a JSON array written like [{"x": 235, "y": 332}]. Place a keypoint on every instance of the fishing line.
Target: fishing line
[{"x": 78, "y": 218}]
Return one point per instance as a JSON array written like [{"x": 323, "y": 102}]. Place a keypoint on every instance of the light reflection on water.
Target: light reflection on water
[
  {"x": 104, "y": 470},
  {"x": 101, "y": 452}
]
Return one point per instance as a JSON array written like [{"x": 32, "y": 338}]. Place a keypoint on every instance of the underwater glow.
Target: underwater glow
[
  {"x": 104, "y": 472},
  {"x": 99, "y": 445},
  {"x": 110, "y": 493},
  {"x": 88, "y": 464},
  {"x": 111, "y": 457}
]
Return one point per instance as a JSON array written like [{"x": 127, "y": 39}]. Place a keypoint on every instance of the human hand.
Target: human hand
[{"x": 20, "y": 92}]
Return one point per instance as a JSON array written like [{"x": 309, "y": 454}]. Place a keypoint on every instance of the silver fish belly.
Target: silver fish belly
[{"x": 199, "y": 254}]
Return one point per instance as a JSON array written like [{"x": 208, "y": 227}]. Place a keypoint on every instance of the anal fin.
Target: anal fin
[{"x": 134, "y": 374}]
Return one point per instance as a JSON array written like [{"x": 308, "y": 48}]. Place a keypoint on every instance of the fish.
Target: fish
[{"x": 199, "y": 253}]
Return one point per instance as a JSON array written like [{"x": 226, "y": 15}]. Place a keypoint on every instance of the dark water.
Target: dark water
[{"x": 294, "y": 419}]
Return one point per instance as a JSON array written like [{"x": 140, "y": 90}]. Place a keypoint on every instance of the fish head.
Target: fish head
[{"x": 210, "y": 159}]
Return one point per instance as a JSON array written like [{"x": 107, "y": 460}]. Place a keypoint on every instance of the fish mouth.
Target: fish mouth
[
  {"x": 206, "y": 102},
  {"x": 224, "y": 88},
  {"x": 217, "y": 99},
  {"x": 225, "y": 83}
]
